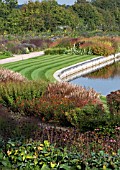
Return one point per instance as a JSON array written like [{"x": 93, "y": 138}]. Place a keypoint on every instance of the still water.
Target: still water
[{"x": 103, "y": 81}]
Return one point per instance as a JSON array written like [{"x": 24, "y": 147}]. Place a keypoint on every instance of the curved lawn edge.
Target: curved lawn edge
[
  {"x": 85, "y": 67},
  {"x": 45, "y": 66}
]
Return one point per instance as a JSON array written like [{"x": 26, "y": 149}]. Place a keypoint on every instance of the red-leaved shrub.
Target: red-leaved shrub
[
  {"x": 80, "y": 95},
  {"x": 113, "y": 101},
  {"x": 38, "y": 42}
]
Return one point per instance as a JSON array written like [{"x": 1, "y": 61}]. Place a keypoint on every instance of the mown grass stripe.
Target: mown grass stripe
[
  {"x": 30, "y": 62},
  {"x": 36, "y": 74},
  {"x": 51, "y": 71},
  {"x": 22, "y": 69},
  {"x": 39, "y": 59},
  {"x": 41, "y": 67}
]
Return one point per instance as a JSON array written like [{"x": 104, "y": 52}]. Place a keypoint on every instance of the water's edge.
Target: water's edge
[{"x": 83, "y": 68}]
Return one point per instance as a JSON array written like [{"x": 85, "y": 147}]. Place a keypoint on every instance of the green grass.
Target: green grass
[
  {"x": 5, "y": 55},
  {"x": 2, "y": 56},
  {"x": 43, "y": 67},
  {"x": 104, "y": 101}
]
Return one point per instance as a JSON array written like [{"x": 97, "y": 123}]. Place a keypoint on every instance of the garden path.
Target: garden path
[{"x": 21, "y": 57}]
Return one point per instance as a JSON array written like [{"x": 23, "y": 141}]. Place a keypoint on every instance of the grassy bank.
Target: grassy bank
[{"x": 43, "y": 67}]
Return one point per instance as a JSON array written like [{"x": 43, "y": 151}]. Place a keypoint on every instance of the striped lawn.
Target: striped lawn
[{"x": 43, "y": 67}]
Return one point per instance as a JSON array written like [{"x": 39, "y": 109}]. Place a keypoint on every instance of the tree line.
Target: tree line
[{"x": 48, "y": 15}]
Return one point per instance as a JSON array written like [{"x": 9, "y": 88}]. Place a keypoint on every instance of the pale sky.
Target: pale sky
[{"x": 67, "y": 2}]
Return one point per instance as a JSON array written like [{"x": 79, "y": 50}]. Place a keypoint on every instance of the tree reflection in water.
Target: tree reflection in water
[{"x": 106, "y": 72}]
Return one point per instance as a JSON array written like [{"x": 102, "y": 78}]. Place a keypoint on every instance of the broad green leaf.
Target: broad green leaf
[
  {"x": 46, "y": 143},
  {"x": 45, "y": 167},
  {"x": 35, "y": 161},
  {"x": 65, "y": 167},
  {"x": 52, "y": 164}
]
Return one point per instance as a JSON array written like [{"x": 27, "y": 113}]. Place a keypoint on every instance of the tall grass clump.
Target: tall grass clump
[
  {"x": 12, "y": 91},
  {"x": 80, "y": 95},
  {"x": 14, "y": 85},
  {"x": 9, "y": 75}
]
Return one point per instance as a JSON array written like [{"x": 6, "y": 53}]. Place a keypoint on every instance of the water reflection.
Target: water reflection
[
  {"x": 103, "y": 81},
  {"x": 107, "y": 72}
]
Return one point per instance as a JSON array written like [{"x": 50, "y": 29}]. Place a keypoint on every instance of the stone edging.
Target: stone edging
[{"x": 82, "y": 68}]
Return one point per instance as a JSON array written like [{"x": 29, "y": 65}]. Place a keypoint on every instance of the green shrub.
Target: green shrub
[
  {"x": 80, "y": 51},
  {"x": 7, "y": 53},
  {"x": 87, "y": 118},
  {"x": 53, "y": 51}
]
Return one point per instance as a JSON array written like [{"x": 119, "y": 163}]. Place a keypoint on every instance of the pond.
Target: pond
[{"x": 103, "y": 81}]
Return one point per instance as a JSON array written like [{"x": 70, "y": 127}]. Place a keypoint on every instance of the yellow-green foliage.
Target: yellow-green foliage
[{"x": 38, "y": 156}]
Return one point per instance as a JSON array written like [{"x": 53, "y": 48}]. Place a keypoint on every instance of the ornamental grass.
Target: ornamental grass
[{"x": 9, "y": 75}]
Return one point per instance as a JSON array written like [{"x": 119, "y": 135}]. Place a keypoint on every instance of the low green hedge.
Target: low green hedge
[
  {"x": 55, "y": 51},
  {"x": 87, "y": 118},
  {"x": 5, "y": 54},
  {"x": 34, "y": 155}
]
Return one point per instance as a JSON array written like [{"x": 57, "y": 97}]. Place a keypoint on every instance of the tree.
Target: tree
[
  {"x": 11, "y": 3},
  {"x": 31, "y": 19},
  {"x": 107, "y": 4},
  {"x": 6, "y": 8},
  {"x": 89, "y": 13},
  {"x": 81, "y": 1},
  {"x": 110, "y": 9},
  {"x": 13, "y": 22},
  {"x": 47, "y": 15}
]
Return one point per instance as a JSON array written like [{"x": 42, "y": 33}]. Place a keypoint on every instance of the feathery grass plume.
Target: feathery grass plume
[
  {"x": 77, "y": 93},
  {"x": 9, "y": 75}
]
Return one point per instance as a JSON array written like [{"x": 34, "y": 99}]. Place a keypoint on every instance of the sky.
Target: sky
[{"x": 67, "y": 2}]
